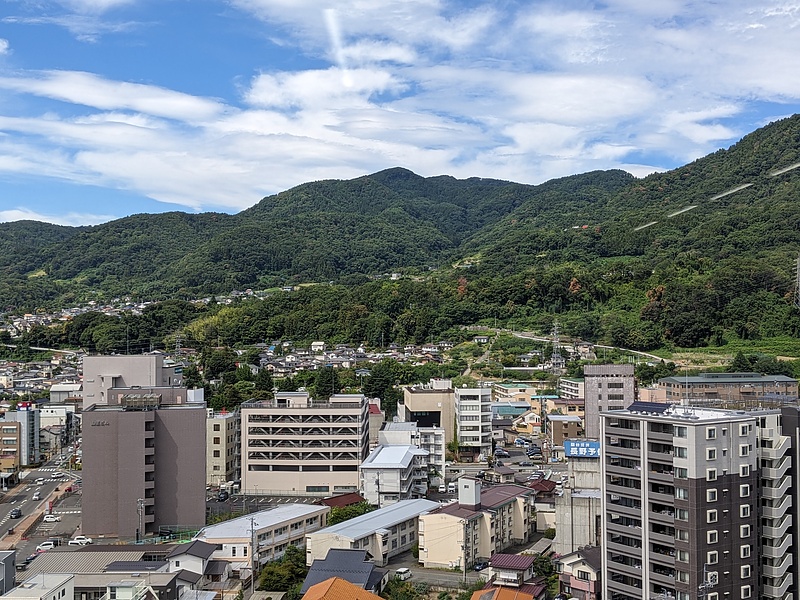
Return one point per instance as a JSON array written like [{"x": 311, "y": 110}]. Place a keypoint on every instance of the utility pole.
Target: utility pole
[
  {"x": 253, "y": 549},
  {"x": 140, "y": 512},
  {"x": 464, "y": 548}
]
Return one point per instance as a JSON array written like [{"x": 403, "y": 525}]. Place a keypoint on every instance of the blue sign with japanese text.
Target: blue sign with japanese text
[{"x": 582, "y": 448}]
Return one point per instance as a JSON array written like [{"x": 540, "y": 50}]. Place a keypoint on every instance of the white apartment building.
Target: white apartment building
[
  {"x": 432, "y": 439},
  {"x": 273, "y": 530},
  {"x": 429, "y": 405},
  {"x": 606, "y": 387},
  {"x": 394, "y": 473},
  {"x": 222, "y": 446},
  {"x": 296, "y": 445},
  {"x": 474, "y": 421},
  {"x": 383, "y": 533}
]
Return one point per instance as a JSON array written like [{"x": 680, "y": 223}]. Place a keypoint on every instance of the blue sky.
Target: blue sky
[{"x": 115, "y": 107}]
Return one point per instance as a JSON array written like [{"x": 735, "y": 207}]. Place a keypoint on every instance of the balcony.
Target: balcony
[
  {"x": 780, "y": 567},
  {"x": 778, "y": 510},
  {"x": 777, "y": 530},
  {"x": 778, "y": 491},
  {"x": 776, "y": 451},
  {"x": 771, "y": 591},
  {"x": 778, "y": 550},
  {"x": 778, "y": 471}
]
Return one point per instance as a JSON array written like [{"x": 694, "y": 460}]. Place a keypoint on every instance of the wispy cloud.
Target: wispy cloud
[{"x": 517, "y": 90}]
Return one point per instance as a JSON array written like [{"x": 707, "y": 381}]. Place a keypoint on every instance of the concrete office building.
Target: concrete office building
[
  {"x": 298, "y": 445},
  {"x": 474, "y": 422},
  {"x": 680, "y": 505},
  {"x": 101, "y": 374},
  {"x": 579, "y": 508},
  {"x": 222, "y": 446},
  {"x": 143, "y": 467},
  {"x": 606, "y": 387},
  {"x": 429, "y": 405}
]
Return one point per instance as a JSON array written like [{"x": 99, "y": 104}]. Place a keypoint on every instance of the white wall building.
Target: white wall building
[
  {"x": 383, "y": 533},
  {"x": 474, "y": 420},
  {"x": 394, "y": 473},
  {"x": 431, "y": 439}
]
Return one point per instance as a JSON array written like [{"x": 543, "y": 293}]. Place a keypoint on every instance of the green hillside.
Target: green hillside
[{"x": 697, "y": 255}]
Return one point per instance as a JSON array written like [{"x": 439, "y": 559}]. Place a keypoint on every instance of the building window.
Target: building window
[
  {"x": 746, "y": 591},
  {"x": 681, "y": 514},
  {"x": 712, "y": 537},
  {"x": 681, "y": 473},
  {"x": 745, "y": 570},
  {"x": 711, "y": 474},
  {"x": 681, "y": 452},
  {"x": 233, "y": 550},
  {"x": 681, "y": 493},
  {"x": 711, "y": 433},
  {"x": 711, "y": 495},
  {"x": 713, "y": 596},
  {"x": 744, "y": 551},
  {"x": 744, "y": 490},
  {"x": 744, "y": 450},
  {"x": 682, "y": 535},
  {"x": 216, "y": 440},
  {"x": 683, "y": 556},
  {"x": 743, "y": 430},
  {"x": 744, "y": 510},
  {"x": 583, "y": 575},
  {"x": 216, "y": 426},
  {"x": 744, "y": 470},
  {"x": 711, "y": 454},
  {"x": 216, "y": 454},
  {"x": 682, "y": 576},
  {"x": 711, "y": 516},
  {"x": 680, "y": 431},
  {"x": 712, "y": 557},
  {"x": 744, "y": 531}
]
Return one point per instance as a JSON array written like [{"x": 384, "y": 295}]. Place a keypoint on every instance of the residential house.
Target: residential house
[
  {"x": 348, "y": 564},
  {"x": 580, "y": 572}
]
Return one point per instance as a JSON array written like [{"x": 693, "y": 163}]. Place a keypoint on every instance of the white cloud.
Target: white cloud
[
  {"x": 91, "y": 90},
  {"x": 520, "y": 91},
  {"x": 70, "y": 219},
  {"x": 4, "y": 46}
]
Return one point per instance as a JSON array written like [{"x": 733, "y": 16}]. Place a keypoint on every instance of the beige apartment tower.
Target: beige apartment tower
[{"x": 296, "y": 445}]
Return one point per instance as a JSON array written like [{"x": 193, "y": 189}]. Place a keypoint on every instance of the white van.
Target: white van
[
  {"x": 452, "y": 487},
  {"x": 403, "y": 573}
]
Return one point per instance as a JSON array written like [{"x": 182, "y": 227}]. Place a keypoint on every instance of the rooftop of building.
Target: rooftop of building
[
  {"x": 392, "y": 457},
  {"x": 677, "y": 413},
  {"x": 517, "y": 562},
  {"x": 342, "y": 499},
  {"x": 349, "y": 564},
  {"x": 383, "y": 518},
  {"x": 337, "y": 588},
  {"x": 726, "y": 378},
  {"x": 240, "y": 527},
  {"x": 564, "y": 418},
  {"x": 41, "y": 585}
]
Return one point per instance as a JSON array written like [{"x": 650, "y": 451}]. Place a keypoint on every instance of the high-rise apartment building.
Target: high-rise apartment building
[
  {"x": 144, "y": 446},
  {"x": 143, "y": 467},
  {"x": 682, "y": 493},
  {"x": 429, "y": 405},
  {"x": 605, "y": 387},
  {"x": 299, "y": 445}
]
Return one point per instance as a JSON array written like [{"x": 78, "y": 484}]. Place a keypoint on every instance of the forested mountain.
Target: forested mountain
[{"x": 686, "y": 257}]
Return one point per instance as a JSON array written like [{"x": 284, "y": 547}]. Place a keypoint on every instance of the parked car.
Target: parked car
[
  {"x": 44, "y": 546},
  {"x": 52, "y": 518},
  {"x": 403, "y": 573},
  {"x": 481, "y": 565},
  {"x": 443, "y": 488},
  {"x": 80, "y": 540},
  {"x": 525, "y": 463},
  {"x": 15, "y": 513},
  {"x": 500, "y": 453},
  {"x": 223, "y": 496}
]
